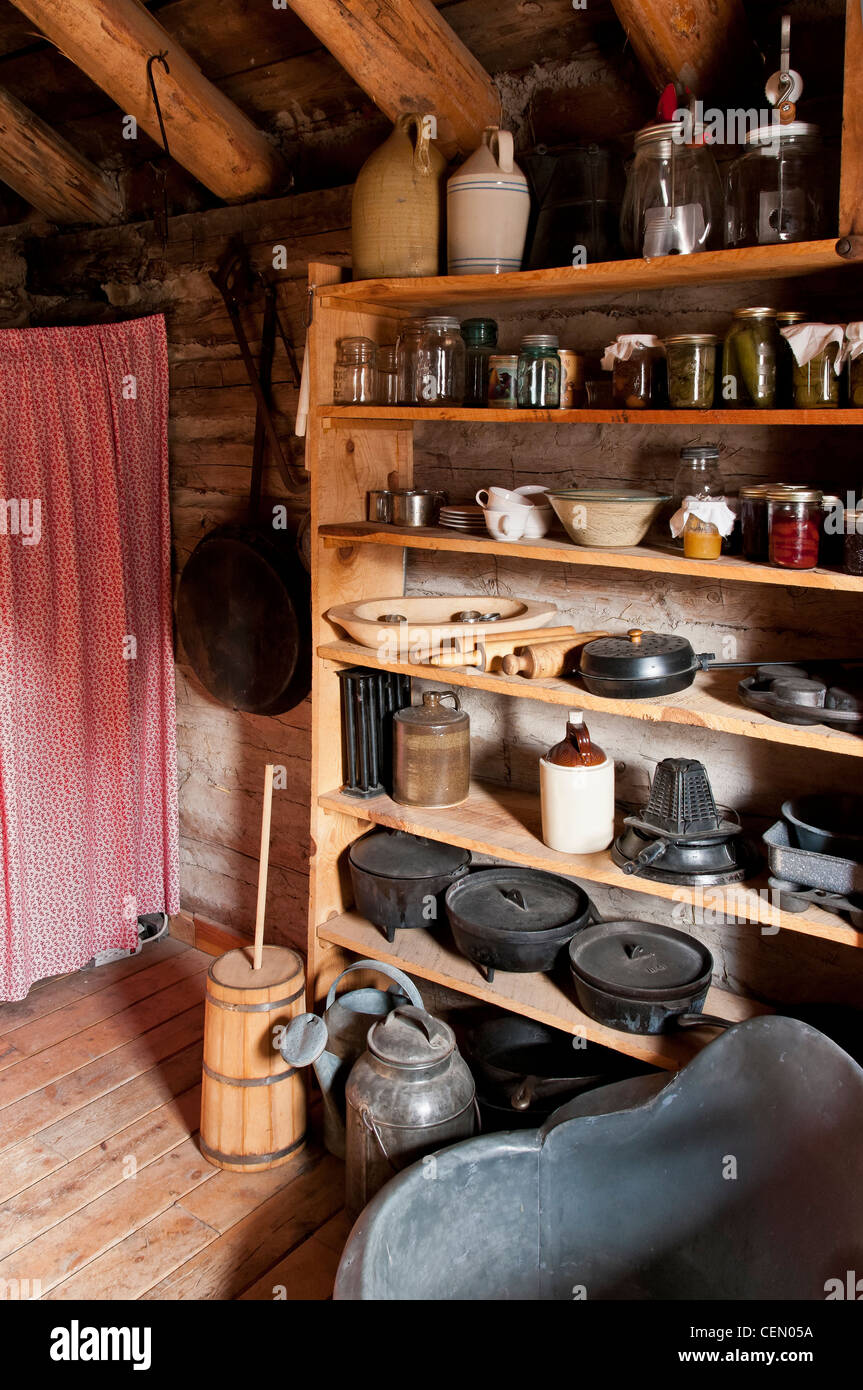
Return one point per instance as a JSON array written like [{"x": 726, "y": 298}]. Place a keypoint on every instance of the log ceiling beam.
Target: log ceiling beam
[
  {"x": 700, "y": 44},
  {"x": 48, "y": 172},
  {"x": 111, "y": 40},
  {"x": 407, "y": 58}
]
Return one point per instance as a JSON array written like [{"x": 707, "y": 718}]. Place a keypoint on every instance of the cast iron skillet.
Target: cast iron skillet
[{"x": 644, "y": 664}]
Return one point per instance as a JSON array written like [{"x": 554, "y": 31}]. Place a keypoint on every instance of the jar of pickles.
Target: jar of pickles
[
  {"x": 691, "y": 365},
  {"x": 794, "y": 517},
  {"x": 480, "y": 338},
  {"x": 355, "y": 380},
  {"x": 753, "y": 522},
  {"x": 749, "y": 359},
  {"x": 440, "y": 361},
  {"x": 815, "y": 349},
  {"x": 538, "y": 372},
  {"x": 637, "y": 364}
]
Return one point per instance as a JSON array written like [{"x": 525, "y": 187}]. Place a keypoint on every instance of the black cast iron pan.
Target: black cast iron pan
[{"x": 244, "y": 599}]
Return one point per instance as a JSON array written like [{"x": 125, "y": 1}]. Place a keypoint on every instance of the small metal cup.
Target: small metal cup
[
  {"x": 413, "y": 507},
  {"x": 380, "y": 506}
]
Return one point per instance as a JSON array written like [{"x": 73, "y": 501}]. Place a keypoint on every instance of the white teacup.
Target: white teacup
[
  {"x": 508, "y": 525},
  {"x": 533, "y": 493},
  {"x": 538, "y": 523},
  {"x": 499, "y": 499}
]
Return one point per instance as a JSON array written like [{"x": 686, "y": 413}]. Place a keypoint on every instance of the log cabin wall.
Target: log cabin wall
[{"x": 573, "y": 79}]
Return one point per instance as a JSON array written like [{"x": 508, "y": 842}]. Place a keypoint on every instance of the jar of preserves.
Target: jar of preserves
[
  {"x": 440, "y": 361},
  {"x": 786, "y": 318},
  {"x": 407, "y": 347},
  {"x": 776, "y": 191},
  {"x": 673, "y": 203},
  {"x": 355, "y": 374},
  {"x": 480, "y": 338},
  {"x": 749, "y": 359},
  {"x": 386, "y": 363},
  {"x": 753, "y": 522},
  {"x": 853, "y": 543},
  {"x": 816, "y": 366},
  {"x": 503, "y": 380},
  {"x": 538, "y": 372},
  {"x": 701, "y": 540},
  {"x": 832, "y": 529},
  {"x": 637, "y": 364},
  {"x": 691, "y": 364},
  {"x": 794, "y": 527}
]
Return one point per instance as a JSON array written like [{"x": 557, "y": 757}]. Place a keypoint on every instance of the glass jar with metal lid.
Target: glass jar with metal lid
[
  {"x": 794, "y": 519},
  {"x": 691, "y": 364},
  {"x": 480, "y": 337},
  {"x": 673, "y": 199},
  {"x": 753, "y": 522},
  {"x": 538, "y": 372},
  {"x": 355, "y": 380},
  {"x": 776, "y": 191},
  {"x": 407, "y": 347},
  {"x": 749, "y": 359},
  {"x": 785, "y": 360},
  {"x": 440, "y": 361}
]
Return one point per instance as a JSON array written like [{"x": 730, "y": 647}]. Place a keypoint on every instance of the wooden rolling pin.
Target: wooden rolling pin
[
  {"x": 485, "y": 648},
  {"x": 548, "y": 658}
]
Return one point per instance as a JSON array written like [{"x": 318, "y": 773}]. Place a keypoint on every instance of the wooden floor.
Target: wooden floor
[{"x": 103, "y": 1191}]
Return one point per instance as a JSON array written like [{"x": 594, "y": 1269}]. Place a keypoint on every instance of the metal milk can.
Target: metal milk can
[
  {"x": 333, "y": 1043},
  {"x": 409, "y": 1094}
]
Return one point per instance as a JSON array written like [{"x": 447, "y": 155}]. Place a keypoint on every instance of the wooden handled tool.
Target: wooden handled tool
[
  {"x": 478, "y": 650},
  {"x": 263, "y": 866},
  {"x": 548, "y": 658}
]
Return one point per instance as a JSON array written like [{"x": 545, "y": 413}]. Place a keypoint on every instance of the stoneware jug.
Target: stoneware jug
[
  {"x": 487, "y": 206},
  {"x": 396, "y": 211},
  {"x": 576, "y": 780}
]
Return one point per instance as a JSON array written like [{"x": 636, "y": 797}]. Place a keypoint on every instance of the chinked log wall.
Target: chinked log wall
[{"x": 123, "y": 272}]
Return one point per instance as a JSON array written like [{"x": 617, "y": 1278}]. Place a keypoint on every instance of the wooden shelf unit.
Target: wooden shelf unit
[{"x": 352, "y": 450}]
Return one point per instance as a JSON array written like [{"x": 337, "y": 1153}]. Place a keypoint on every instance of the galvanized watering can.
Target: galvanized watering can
[{"x": 333, "y": 1043}]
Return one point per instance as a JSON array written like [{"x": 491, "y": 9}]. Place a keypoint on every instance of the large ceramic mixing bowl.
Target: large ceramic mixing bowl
[{"x": 606, "y": 517}]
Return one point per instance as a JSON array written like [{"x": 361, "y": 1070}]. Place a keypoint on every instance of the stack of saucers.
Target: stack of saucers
[{"x": 463, "y": 516}]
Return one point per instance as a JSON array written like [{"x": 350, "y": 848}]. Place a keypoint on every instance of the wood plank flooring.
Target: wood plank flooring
[{"x": 103, "y": 1191}]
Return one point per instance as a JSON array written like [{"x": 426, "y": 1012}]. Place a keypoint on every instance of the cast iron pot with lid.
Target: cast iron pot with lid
[
  {"x": 642, "y": 664},
  {"x": 642, "y": 977},
  {"x": 515, "y": 919},
  {"x": 399, "y": 879}
]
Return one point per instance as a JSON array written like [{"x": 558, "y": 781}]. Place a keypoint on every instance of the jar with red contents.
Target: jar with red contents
[{"x": 794, "y": 517}]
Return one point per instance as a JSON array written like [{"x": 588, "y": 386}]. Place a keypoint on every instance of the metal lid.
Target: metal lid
[
  {"x": 759, "y": 312},
  {"x": 670, "y": 132},
  {"x": 440, "y": 323},
  {"x": 410, "y": 1037},
  {"x": 754, "y": 491},
  {"x": 791, "y": 316},
  {"x": 641, "y": 654},
  {"x": 775, "y": 133},
  {"x": 516, "y": 900},
  {"x": 697, "y": 339},
  {"x": 700, "y": 451},
  {"x": 794, "y": 494},
  {"x": 639, "y": 959},
  {"x": 396, "y": 854},
  {"x": 544, "y": 340}
]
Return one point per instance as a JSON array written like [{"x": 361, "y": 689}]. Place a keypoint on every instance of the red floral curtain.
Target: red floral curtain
[{"x": 88, "y": 791}]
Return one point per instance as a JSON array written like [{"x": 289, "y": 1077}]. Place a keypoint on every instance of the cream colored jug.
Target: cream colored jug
[
  {"x": 487, "y": 207},
  {"x": 396, "y": 210},
  {"x": 576, "y": 780}
]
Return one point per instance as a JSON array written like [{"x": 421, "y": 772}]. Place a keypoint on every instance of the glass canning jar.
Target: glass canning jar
[
  {"x": 673, "y": 203},
  {"x": 407, "y": 347},
  {"x": 776, "y": 191},
  {"x": 785, "y": 358},
  {"x": 638, "y": 380},
  {"x": 815, "y": 383},
  {"x": 753, "y": 522},
  {"x": 386, "y": 364},
  {"x": 355, "y": 375},
  {"x": 749, "y": 359},
  {"x": 853, "y": 543},
  {"x": 698, "y": 474},
  {"x": 538, "y": 372},
  {"x": 794, "y": 518},
  {"x": 440, "y": 361},
  {"x": 480, "y": 337},
  {"x": 691, "y": 364}
]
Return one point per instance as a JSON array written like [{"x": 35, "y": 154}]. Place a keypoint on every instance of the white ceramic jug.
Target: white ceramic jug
[
  {"x": 487, "y": 205},
  {"x": 577, "y": 795}
]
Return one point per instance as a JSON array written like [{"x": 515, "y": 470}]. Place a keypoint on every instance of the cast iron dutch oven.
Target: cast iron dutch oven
[
  {"x": 642, "y": 977},
  {"x": 643, "y": 664},
  {"x": 515, "y": 919},
  {"x": 399, "y": 879}
]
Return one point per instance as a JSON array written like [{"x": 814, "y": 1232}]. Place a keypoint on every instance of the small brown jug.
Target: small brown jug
[
  {"x": 431, "y": 752},
  {"x": 396, "y": 213}
]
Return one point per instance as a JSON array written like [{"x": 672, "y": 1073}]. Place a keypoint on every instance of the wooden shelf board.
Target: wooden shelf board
[
  {"x": 433, "y": 957},
  {"x": 569, "y": 283},
  {"x": 709, "y": 704},
  {"x": 558, "y": 550},
  {"x": 505, "y": 822},
  {"x": 357, "y": 414}
]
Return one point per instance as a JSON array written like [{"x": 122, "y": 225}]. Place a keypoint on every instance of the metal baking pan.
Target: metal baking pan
[{"x": 806, "y": 868}]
